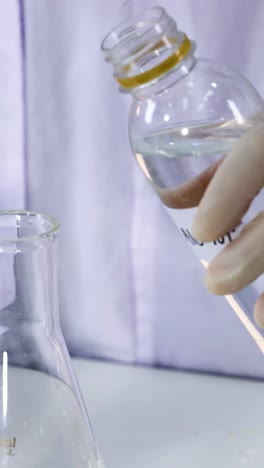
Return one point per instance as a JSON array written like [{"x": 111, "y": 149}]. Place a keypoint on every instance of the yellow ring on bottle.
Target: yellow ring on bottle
[{"x": 161, "y": 69}]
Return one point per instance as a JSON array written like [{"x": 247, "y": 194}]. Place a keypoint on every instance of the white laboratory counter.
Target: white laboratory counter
[{"x": 151, "y": 418}]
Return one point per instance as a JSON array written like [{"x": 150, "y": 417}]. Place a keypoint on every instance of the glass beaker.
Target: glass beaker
[{"x": 43, "y": 420}]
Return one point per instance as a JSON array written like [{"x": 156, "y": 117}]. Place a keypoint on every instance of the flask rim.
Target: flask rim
[{"x": 48, "y": 223}]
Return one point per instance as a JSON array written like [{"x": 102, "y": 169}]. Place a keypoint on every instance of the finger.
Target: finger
[
  {"x": 233, "y": 187},
  {"x": 259, "y": 311},
  {"x": 189, "y": 194},
  {"x": 240, "y": 263}
]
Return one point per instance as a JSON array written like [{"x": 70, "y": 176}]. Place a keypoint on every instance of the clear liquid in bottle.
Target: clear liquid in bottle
[{"x": 180, "y": 161}]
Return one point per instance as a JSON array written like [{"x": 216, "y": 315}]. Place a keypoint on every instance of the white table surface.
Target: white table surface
[{"x": 149, "y": 418}]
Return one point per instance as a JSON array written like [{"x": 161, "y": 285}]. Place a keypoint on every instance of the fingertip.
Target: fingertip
[
  {"x": 259, "y": 312},
  {"x": 213, "y": 285},
  {"x": 222, "y": 280},
  {"x": 202, "y": 228}
]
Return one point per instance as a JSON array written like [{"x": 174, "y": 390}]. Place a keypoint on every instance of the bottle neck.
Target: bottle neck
[
  {"x": 167, "y": 80},
  {"x": 147, "y": 50}
]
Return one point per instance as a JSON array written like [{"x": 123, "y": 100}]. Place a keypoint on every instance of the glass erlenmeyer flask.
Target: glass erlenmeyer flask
[{"x": 43, "y": 420}]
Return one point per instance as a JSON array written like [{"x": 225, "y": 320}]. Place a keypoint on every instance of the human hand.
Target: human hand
[{"x": 227, "y": 197}]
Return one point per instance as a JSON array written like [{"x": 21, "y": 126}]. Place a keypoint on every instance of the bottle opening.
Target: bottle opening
[
  {"x": 25, "y": 227},
  {"x": 132, "y": 29},
  {"x": 145, "y": 47}
]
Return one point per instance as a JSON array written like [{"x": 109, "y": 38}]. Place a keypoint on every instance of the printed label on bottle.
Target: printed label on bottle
[
  {"x": 206, "y": 251},
  {"x": 7, "y": 446}
]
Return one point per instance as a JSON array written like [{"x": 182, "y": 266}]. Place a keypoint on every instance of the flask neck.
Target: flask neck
[
  {"x": 36, "y": 285},
  {"x": 28, "y": 270}
]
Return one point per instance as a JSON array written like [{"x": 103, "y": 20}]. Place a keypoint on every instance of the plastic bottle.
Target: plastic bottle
[{"x": 186, "y": 115}]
